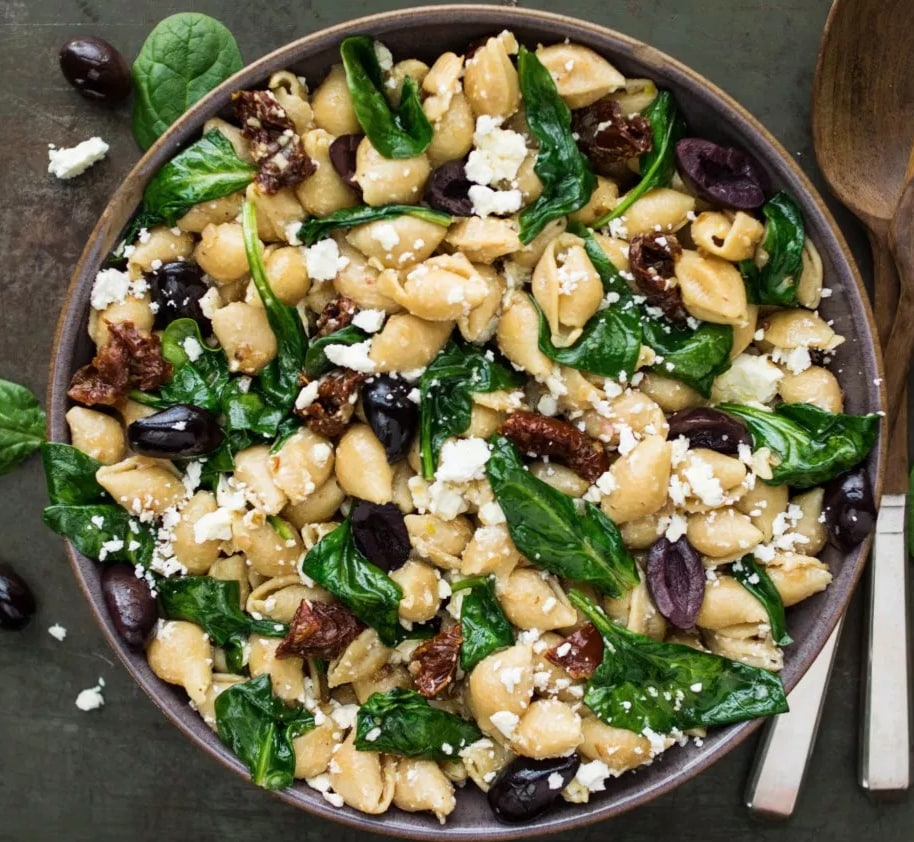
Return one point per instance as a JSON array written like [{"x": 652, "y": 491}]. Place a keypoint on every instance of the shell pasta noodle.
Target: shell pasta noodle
[{"x": 469, "y": 424}]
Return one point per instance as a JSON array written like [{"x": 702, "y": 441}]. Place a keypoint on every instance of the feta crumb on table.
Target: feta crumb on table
[
  {"x": 91, "y": 698},
  {"x": 58, "y": 632},
  {"x": 72, "y": 161}
]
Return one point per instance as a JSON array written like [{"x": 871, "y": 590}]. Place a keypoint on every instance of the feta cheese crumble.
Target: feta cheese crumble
[
  {"x": 92, "y": 698},
  {"x": 463, "y": 460},
  {"x": 322, "y": 260},
  {"x": 58, "y": 632},
  {"x": 72, "y": 161}
]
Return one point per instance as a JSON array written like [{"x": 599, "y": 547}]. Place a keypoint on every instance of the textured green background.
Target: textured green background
[{"x": 124, "y": 773}]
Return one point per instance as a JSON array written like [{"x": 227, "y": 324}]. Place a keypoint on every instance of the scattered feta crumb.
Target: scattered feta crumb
[
  {"x": 489, "y": 202},
  {"x": 308, "y": 395},
  {"x": 92, "y": 698},
  {"x": 369, "y": 320},
  {"x": 463, "y": 460},
  {"x": 593, "y": 775},
  {"x": 75, "y": 160},
  {"x": 354, "y": 357},
  {"x": 58, "y": 632},
  {"x": 323, "y": 260},
  {"x": 505, "y": 721}
]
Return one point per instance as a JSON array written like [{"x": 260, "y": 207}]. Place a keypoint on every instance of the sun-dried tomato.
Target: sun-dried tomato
[
  {"x": 332, "y": 410},
  {"x": 607, "y": 137},
  {"x": 652, "y": 258},
  {"x": 148, "y": 368},
  {"x": 578, "y": 654},
  {"x": 336, "y": 315},
  {"x": 535, "y": 433},
  {"x": 319, "y": 630},
  {"x": 434, "y": 663}
]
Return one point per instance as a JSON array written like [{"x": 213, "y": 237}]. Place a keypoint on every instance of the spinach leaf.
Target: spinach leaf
[
  {"x": 572, "y": 539},
  {"x": 483, "y": 624},
  {"x": 143, "y": 218},
  {"x": 612, "y": 279},
  {"x": 337, "y": 565},
  {"x": 694, "y": 357},
  {"x": 754, "y": 579},
  {"x": 316, "y": 362},
  {"x": 777, "y": 281},
  {"x": 317, "y": 228},
  {"x": 446, "y": 388},
  {"x": 657, "y": 166},
  {"x": 184, "y": 58},
  {"x": 206, "y": 170},
  {"x": 249, "y": 412},
  {"x": 402, "y": 722},
  {"x": 22, "y": 423},
  {"x": 565, "y": 172},
  {"x": 642, "y": 684},
  {"x": 103, "y": 531},
  {"x": 259, "y": 730},
  {"x": 70, "y": 475},
  {"x": 813, "y": 445},
  {"x": 213, "y": 604},
  {"x": 200, "y": 382},
  {"x": 403, "y": 133}
]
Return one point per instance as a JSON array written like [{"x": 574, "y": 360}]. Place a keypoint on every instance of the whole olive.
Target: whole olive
[
  {"x": 676, "y": 579},
  {"x": 96, "y": 69},
  {"x": 177, "y": 288},
  {"x": 448, "y": 189},
  {"x": 342, "y": 156},
  {"x": 130, "y": 604},
  {"x": 849, "y": 509},
  {"x": 390, "y": 413},
  {"x": 721, "y": 174},
  {"x": 17, "y": 603},
  {"x": 710, "y": 428},
  {"x": 178, "y": 432},
  {"x": 526, "y": 788},
  {"x": 380, "y": 535}
]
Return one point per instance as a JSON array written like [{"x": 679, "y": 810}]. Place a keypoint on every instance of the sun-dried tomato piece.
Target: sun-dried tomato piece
[
  {"x": 652, "y": 258},
  {"x": 319, "y": 630},
  {"x": 336, "y": 315},
  {"x": 578, "y": 654},
  {"x": 434, "y": 663},
  {"x": 148, "y": 368},
  {"x": 607, "y": 137},
  {"x": 535, "y": 433},
  {"x": 337, "y": 395}
]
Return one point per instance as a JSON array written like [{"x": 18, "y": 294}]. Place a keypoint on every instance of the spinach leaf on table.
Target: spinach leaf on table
[
  {"x": 22, "y": 423},
  {"x": 402, "y": 722},
  {"x": 259, "y": 728},
  {"x": 568, "y": 180},
  {"x": 694, "y": 357},
  {"x": 317, "y": 228},
  {"x": 785, "y": 234},
  {"x": 316, "y": 362},
  {"x": 642, "y": 684},
  {"x": 752, "y": 576},
  {"x": 483, "y": 624},
  {"x": 182, "y": 59},
  {"x": 403, "y": 133},
  {"x": 572, "y": 539},
  {"x": 812, "y": 445}
]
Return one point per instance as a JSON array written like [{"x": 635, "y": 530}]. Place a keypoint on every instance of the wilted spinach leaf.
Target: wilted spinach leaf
[
  {"x": 483, "y": 624},
  {"x": 70, "y": 475},
  {"x": 316, "y": 362},
  {"x": 612, "y": 279},
  {"x": 103, "y": 531},
  {"x": 200, "y": 382},
  {"x": 21, "y": 425},
  {"x": 754, "y": 579},
  {"x": 776, "y": 282},
  {"x": 694, "y": 357},
  {"x": 317, "y": 228}
]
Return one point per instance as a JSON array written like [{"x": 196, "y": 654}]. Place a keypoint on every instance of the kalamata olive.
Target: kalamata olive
[
  {"x": 526, "y": 788},
  {"x": 721, "y": 174},
  {"x": 342, "y": 156},
  {"x": 676, "y": 580},
  {"x": 178, "y": 432},
  {"x": 380, "y": 535},
  {"x": 710, "y": 428},
  {"x": 96, "y": 69},
  {"x": 130, "y": 604},
  {"x": 17, "y": 603},
  {"x": 177, "y": 288},
  {"x": 849, "y": 509},
  {"x": 390, "y": 413},
  {"x": 448, "y": 189}
]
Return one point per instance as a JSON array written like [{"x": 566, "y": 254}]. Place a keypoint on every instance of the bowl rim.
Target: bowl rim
[{"x": 499, "y": 17}]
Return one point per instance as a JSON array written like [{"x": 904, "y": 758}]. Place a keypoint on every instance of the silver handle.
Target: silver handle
[
  {"x": 783, "y": 753},
  {"x": 885, "y": 757}
]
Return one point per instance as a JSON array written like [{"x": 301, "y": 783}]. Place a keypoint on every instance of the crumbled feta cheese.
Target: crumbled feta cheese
[
  {"x": 192, "y": 348},
  {"x": 592, "y": 776},
  {"x": 750, "y": 379},
  {"x": 510, "y": 677},
  {"x": 308, "y": 395},
  {"x": 384, "y": 56},
  {"x": 92, "y": 698},
  {"x": 75, "y": 160},
  {"x": 345, "y": 715},
  {"x": 58, "y": 632},
  {"x": 210, "y": 301},
  {"x": 676, "y": 528},
  {"x": 354, "y": 357},
  {"x": 214, "y": 526},
  {"x": 463, "y": 460},
  {"x": 704, "y": 484},
  {"x": 323, "y": 260},
  {"x": 369, "y": 320},
  {"x": 795, "y": 360},
  {"x": 489, "y": 202},
  {"x": 386, "y": 235},
  {"x": 498, "y": 152},
  {"x": 322, "y": 784},
  {"x": 555, "y": 781},
  {"x": 505, "y": 721},
  {"x": 111, "y": 287},
  {"x": 445, "y": 501},
  {"x": 490, "y": 514},
  {"x": 192, "y": 475},
  {"x": 606, "y": 483}
]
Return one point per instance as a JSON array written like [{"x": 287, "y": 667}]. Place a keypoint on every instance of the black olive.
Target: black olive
[
  {"x": 710, "y": 428},
  {"x": 721, "y": 174},
  {"x": 342, "y": 156},
  {"x": 448, "y": 189},
  {"x": 380, "y": 535},
  {"x": 526, "y": 788},
  {"x": 676, "y": 579},
  {"x": 17, "y": 603},
  {"x": 179, "y": 432},
  {"x": 177, "y": 287},
  {"x": 849, "y": 509},
  {"x": 130, "y": 604},
  {"x": 390, "y": 413},
  {"x": 96, "y": 69}
]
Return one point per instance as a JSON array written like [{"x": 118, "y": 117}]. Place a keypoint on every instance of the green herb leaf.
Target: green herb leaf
[
  {"x": 610, "y": 276},
  {"x": 70, "y": 475},
  {"x": 483, "y": 624},
  {"x": 813, "y": 445},
  {"x": 571, "y": 539},
  {"x": 200, "y": 382},
  {"x": 402, "y": 722},
  {"x": 183, "y": 59},
  {"x": 643, "y": 684},
  {"x": 754, "y": 579},
  {"x": 102, "y": 531},
  {"x": 403, "y": 133},
  {"x": 22, "y": 423},
  {"x": 316, "y": 362},
  {"x": 777, "y": 281},
  {"x": 694, "y": 357},
  {"x": 318, "y": 228},
  {"x": 249, "y": 411},
  {"x": 565, "y": 172}
]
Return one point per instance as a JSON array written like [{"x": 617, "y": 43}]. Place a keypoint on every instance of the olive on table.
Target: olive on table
[
  {"x": 720, "y": 174},
  {"x": 380, "y": 535},
  {"x": 178, "y": 432},
  {"x": 526, "y": 788},
  {"x": 130, "y": 604},
  {"x": 17, "y": 603},
  {"x": 177, "y": 287},
  {"x": 710, "y": 428},
  {"x": 96, "y": 69},
  {"x": 849, "y": 509},
  {"x": 391, "y": 414},
  {"x": 676, "y": 579}
]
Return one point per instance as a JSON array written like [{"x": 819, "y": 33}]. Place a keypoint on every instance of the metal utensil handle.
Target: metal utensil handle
[
  {"x": 783, "y": 753},
  {"x": 885, "y": 759}
]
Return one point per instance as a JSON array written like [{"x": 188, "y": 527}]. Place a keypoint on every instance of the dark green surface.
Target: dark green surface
[{"x": 124, "y": 773}]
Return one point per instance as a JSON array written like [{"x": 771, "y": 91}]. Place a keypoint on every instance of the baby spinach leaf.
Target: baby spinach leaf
[
  {"x": 447, "y": 388},
  {"x": 259, "y": 728},
  {"x": 570, "y": 538},
  {"x": 206, "y": 170},
  {"x": 22, "y": 423},
  {"x": 657, "y": 166},
  {"x": 318, "y": 228},
  {"x": 612, "y": 279},
  {"x": 401, "y": 133},
  {"x": 182, "y": 59},
  {"x": 316, "y": 362},
  {"x": 200, "y": 382},
  {"x": 402, "y": 722},
  {"x": 567, "y": 178},
  {"x": 812, "y": 445},
  {"x": 483, "y": 624},
  {"x": 103, "y": 531},
  {"x": 753, "y": 578},
  {"x": 246, "y": 410},
  {"x": 776, "y": 282},
  {"x": 694, "y": 357},
  {"x": 70, "y": 475},
  {"x": 642, "y": 684},
  {"x": 336, "y": 564}
]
